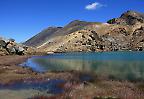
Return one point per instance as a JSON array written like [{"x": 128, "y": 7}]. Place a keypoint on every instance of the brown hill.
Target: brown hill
[{"x": 124, "y": 33}]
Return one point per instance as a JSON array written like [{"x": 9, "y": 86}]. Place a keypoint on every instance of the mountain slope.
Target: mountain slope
[
  {"x": 52, "y": 32},
  {"x": 41, "y": 37},
  {"x": 124, "y": 33}
]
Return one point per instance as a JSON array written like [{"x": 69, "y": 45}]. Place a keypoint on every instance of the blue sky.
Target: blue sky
[{"x": 22, "y": 19}]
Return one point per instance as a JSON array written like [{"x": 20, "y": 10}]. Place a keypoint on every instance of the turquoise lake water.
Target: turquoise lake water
[{"x": 116, "y": 65}]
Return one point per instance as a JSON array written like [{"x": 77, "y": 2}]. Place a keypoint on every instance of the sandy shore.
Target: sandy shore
[{"x": 97, "y": 88}]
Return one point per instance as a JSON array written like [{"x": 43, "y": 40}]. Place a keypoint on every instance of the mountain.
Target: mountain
[
  {"x": 128, "y": 18},
  {"x": 41, "y": 37},
  {"x": 52, "y": 32},
  {"x": 123, "y": 33}
]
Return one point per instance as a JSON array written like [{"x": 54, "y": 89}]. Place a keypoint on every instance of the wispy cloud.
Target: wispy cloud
[{"x": 94, "y": 6}]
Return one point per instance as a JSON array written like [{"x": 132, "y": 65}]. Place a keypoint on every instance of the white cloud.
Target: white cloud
[{"x": 93, "y": 6}]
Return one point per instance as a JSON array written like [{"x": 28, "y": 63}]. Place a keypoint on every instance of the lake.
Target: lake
[{"x": 116, "y": 65}]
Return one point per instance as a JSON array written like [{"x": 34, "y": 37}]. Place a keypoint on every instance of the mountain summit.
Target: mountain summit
[{"x": 128, "y": 18}]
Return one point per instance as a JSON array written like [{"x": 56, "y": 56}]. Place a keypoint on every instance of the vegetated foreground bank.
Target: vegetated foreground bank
[{"x": 77, "y": 84}]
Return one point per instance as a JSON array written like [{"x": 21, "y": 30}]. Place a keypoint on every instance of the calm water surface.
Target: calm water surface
[{"x": 117, "y": 65}]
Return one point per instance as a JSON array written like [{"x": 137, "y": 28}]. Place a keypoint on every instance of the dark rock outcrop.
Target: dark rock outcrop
[
  {"x": 128, "y": 18},
  {"x": 2, "y": 44}
]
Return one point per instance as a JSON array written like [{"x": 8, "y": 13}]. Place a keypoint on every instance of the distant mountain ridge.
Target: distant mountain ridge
[{"x": 123, "y": 33}]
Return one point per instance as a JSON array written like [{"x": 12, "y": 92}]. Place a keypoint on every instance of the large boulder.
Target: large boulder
[
  {"x": 19, "y": 50},
  {"x": 2, "y": 43},
  {"x": 11, "y": 49}
]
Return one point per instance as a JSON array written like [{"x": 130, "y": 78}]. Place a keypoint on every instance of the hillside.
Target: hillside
[
  {"x": 123, "y": 33},
  {"x": 52, "y": 32},
  {"x": 41, "y": 37}
]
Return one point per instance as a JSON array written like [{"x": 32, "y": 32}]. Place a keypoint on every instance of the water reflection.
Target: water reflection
[
  {"x": 116, "y": 65},
  {"x": 27, "y": 89}
]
